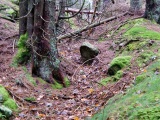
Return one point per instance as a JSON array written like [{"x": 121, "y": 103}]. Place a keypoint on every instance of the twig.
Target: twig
[{"x": 13, "y": 45}]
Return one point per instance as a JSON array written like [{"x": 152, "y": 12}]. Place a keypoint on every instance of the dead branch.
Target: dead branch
[
  {"x": 90, "y": 26},
  {"x": 73, "y": 10}
]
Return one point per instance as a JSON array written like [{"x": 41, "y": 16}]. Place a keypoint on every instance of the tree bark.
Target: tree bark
[
  {"x": 152, "y": 11},
  {"x": 30, "y": 18},
  {"x": 23, "y": 20},
  {"x": 135, "y": 5}
]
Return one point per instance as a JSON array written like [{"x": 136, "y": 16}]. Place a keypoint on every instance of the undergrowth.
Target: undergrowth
[{"x": 140, "y": 102}]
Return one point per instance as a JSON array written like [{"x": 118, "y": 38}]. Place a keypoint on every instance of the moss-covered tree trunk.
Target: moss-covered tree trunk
[
  {"x": 41, "y": 28},
  {"x": 152, "y": 11}
]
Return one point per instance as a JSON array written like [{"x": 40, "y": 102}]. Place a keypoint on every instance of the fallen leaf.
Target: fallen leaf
[
  {"x": 76, "y": 118},
  {"x": 144, "y": 70},
  {"x": 42, "y": 115},
  {"x": 91, "y": 90}
]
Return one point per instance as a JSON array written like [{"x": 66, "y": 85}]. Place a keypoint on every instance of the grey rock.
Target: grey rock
[
  {"x": 5, "y": 111},
  {"x": 88, "y": 51}
]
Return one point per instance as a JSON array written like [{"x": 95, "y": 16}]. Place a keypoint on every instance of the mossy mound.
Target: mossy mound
[
  {"x": 118, "y": 63},
  {"x": 7, "y": 105},
  {"x": 142, "y": 32},
  {"x": 138, "y": 29},
  {"x": 113, "y": 78},
  {"x": 8, "y": 9},
  {"x": 140, "y": 102}
]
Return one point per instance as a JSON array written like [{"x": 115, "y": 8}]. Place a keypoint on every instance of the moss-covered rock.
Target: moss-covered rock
[
  {"x": 8, "y": 9},
  {"x": 118, "y": 63},
  {"x": 7, "y": 105}
]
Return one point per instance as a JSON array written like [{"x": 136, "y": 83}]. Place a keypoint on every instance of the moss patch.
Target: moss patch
[
  {"x": 140, "y": 31},
  {"x": 114, "y": 78},
  {"x": 140, "y": 101},
  {"x": 145, "y": 57},
  {"x": 29, "y": 76},
  {"x": 10, "y": 103},
  {"x": 140, "y": 78},
  {"x": 118, "y": 63},
  {"x": 23, "y": 52},
  {"x": 7, "y": 105},
  {"x": 30, "y": 99},
  {"x": 57, "y": 85},
  {"x": 66, "y": 82}
]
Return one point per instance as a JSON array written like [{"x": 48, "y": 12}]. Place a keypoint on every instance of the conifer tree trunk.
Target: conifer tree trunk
[
  {"x": 40, "y": 24},
  {"x": 152, "y": 11},
  {"x": 22, "y": 13}
]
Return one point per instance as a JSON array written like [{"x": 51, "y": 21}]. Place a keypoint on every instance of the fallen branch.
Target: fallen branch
[
  {"x": 90, "y": 26},
  {"x": 9, "y": 19}
]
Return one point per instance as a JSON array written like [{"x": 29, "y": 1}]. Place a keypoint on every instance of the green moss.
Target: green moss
[
  {"x": 140, "y": 102},
  {"x": 140, "y": 78},
  {"x": 118, "y": 75},
  {"x": 6, "y": 104},
  {"x": 114, "y": 78},
  {"x": 144, "y": 57},
  {"x": 10, "y": 103},
  {"x": 29, "y": 76},
  {"x": 140, "y": 31},
  {"x": 23, "y": 53},
  {"x": 3, "y": 93},
  {"x": 30, "y": 99},
  {"x": 66, "y": 82},
  {"x": 57, "y": 85},
  {"x": 105, "y": 80},
  {"x": 118, "y": 63},
  {"x": 121, "y": 61},
  {"x": 41, "y": 81}
]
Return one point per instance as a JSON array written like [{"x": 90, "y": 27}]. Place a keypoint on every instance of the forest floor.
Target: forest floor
[{"x": 84, "y": 97}]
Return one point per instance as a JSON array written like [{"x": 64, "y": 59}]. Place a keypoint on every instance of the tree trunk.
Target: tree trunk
[
  {"x": 135, "y": 5},
  {"x": 38, "y": 19},
  {"x": 152, "y": 11},
  {"x": 22, "y": 13}
]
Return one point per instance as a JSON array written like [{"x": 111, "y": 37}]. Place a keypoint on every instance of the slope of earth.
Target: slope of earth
[
  {"x": 86, "y": 94},
  {"x": 141, "y": 100},
  {"x": 41, "y": 101}
]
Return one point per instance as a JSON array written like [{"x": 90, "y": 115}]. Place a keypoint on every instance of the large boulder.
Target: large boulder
[{"x": 88, "y": 51}]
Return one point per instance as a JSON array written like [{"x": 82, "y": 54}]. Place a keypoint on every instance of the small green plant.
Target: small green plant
[{"x": 30, "y": 99}]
